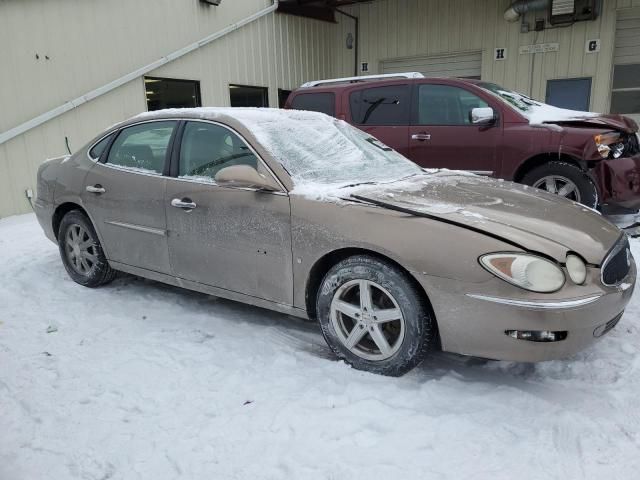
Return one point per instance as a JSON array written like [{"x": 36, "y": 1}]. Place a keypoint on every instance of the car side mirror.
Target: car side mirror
[
  {"x": 243, "y": 176},
  {"x": 482, "y": 116}
]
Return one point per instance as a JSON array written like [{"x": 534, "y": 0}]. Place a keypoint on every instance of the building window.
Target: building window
[
  {"x": 315, "y": 102},
  {"x": 571, "y": 93},
  {"x": 171, "y": 93},
  {"x": 282, "y": 97},
  {"x": 625, "y": 95},
  {"x": 245, "y": 96}
]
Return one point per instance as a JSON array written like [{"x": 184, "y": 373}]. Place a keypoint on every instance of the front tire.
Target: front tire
[
  {"x": 81, "y": 252},
  {"x": 564, "y": 179},
  {"x": 373, "y": 317}
]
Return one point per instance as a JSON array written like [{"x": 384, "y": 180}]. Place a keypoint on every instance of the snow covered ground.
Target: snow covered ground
[{"x": 142, "y": 380}]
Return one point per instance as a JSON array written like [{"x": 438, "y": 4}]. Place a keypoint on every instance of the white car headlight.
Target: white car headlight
[
  {"x": 526, "y": 271},
  {"x": 577, "y": 269}
]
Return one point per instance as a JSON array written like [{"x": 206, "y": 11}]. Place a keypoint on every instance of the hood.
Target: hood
[
  {"x": 616, "y": 122},
  {"x": 524, "y": 216}
]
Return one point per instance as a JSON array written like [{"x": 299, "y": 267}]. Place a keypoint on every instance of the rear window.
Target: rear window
[
  {"x": 99, "y": 147},
  {"x": 324, "y": 102},
  {"x": 381, "y": 105}
]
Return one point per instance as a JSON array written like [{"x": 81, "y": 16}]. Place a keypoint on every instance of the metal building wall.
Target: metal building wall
[
  {"x": 405, "y": 28},
  {"x": 90, "y": 43}
]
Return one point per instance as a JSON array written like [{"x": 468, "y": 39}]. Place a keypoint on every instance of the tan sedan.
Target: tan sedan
[{"x": 302, "y": 213}]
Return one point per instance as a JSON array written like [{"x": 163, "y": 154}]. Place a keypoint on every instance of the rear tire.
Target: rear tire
[
  {"x": 373, "y": 317},
  {"x": 565, "y": 179},
  {"x": 81, "y": 252}
]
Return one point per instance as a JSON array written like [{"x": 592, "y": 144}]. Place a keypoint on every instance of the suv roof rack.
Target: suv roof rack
[{"x": 315, "y": 83}]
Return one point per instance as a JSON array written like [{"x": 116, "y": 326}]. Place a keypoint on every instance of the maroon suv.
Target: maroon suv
[{"x": 479, "y": 126}]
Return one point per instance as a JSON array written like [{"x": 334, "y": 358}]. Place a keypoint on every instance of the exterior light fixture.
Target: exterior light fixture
[{"x": 349, "y": 41}]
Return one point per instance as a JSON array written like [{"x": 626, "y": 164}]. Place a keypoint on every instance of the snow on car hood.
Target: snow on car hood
[{"x": 535, "y": 220}]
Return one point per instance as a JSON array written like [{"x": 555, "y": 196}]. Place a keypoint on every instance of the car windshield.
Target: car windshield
[
  {"x": 521, "y": 102},
  {"x": 318, "y": 149}
]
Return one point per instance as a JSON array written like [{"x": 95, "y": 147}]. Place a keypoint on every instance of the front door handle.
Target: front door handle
[
  {"x": 421, "y": 136},
  {"x": 97, "y": 188},
  {"x": 185, "y": 203}
]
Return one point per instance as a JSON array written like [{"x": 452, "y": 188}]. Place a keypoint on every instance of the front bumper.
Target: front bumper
[
  {"x": 476, "y": 326},
  {"x": 619, "y": 181}
]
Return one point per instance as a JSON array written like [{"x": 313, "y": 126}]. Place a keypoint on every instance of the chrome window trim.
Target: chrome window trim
[
  {"x": 118, "y": 130},
  {"x": 260, "y": 159},
  {"x": 622, "y": 242},
  {"x": 538, "y": 305}
]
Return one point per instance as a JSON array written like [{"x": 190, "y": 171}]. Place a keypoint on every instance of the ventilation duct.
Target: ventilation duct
[{"x": 520, "y": 7}]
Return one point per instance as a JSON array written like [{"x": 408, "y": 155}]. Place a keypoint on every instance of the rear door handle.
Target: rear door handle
[
  {"x": 185, "y": 203},
  {"x": 97, "y": 188},
  {"x": 421, "y": 136}
]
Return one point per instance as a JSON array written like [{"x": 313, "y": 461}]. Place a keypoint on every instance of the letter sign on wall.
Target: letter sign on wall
[
  {"x": 592, "y": 46},
  {"x": 500, "y": 54}
]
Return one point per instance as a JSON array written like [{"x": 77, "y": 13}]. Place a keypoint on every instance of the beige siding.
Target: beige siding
[
  {"x": 405, "y": 28},
  {"x": 277, "y": 51}
]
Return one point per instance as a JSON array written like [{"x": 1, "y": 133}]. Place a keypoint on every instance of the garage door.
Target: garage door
[
  {"x": 625, "y": 92},
  {"x": 466, "y": 65}
]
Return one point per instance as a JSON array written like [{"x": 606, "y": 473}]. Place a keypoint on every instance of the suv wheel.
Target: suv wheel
[
  {"x": 373, "y": 317},
  {"x": 564, "y": 179},
  {"x": 81, "y": 251}
]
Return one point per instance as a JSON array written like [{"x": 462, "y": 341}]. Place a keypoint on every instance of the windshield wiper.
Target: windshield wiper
[{"x": 359, "y": 183}]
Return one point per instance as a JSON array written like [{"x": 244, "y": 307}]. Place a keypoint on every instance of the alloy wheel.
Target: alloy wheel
[
  {"x": 560, "y": 186},
  {"x": 80, "y": 249},
  {"x": 367, "y": 320}
]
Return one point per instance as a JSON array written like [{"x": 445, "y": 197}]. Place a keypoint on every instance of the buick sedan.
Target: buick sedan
[{"x": 301, "y": 213}]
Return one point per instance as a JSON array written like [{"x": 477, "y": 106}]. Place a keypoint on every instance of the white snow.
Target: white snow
[
  {"x": 539, "y": 113},
  {"x": 139, "y": 380}
]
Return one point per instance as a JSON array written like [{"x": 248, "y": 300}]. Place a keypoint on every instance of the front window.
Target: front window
[
  {"x": 520, "y": 102},
  {"x": 208, "y": 148},
  {"x": 446, "y": 105}
]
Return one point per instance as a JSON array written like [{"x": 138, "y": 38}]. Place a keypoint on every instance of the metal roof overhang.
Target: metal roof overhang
[{"x": 318, "y": 9}]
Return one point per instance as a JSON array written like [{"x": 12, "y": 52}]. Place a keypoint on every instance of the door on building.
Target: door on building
[
  {"x": 123, "y": 196},
  {"x": 246, "y": 96},
  {"x": 231, "y": 238},
  {"x": 625, "y": 93},
  {"x": 571, "y": 93},
  {"x": 442, "y": 135},
  {"x": 462, "y": 65}
]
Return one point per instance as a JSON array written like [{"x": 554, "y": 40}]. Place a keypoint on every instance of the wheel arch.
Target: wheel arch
[
  {"x": 542, "y": 158},
  {"x": 59, "y": 213},
  {"x": 324, "y": 264}
]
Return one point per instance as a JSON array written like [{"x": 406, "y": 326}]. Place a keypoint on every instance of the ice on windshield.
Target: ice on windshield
[
  {"x": 536, "y": 112},
  {"x": 321, "y": 150}
]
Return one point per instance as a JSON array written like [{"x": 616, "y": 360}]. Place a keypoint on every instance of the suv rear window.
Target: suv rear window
[
  {"x": 381, "y": 106},
  {"x": 323, "y": 102}
]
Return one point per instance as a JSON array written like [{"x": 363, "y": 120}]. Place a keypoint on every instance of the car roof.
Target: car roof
[{"x": 355, "y": 85}]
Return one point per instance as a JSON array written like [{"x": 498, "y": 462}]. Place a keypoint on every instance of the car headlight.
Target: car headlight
[
  {"x": 524, "y": 270},
  {"x": 609, "y": 145},
  {"x": 577, "y": 269}
]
